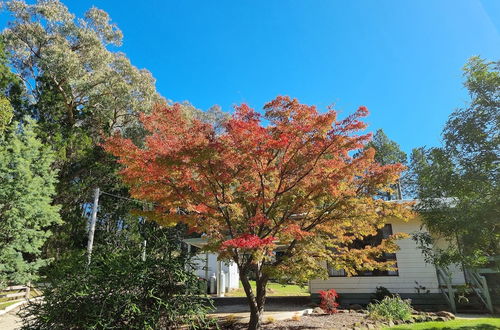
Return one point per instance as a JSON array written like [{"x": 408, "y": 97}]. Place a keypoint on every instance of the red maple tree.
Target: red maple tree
[{"x": 279, "y": 199}]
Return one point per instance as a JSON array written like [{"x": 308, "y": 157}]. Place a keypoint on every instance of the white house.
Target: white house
[
  {"x": 414, "y": 278},
  {"x": 207, "y": 265}
]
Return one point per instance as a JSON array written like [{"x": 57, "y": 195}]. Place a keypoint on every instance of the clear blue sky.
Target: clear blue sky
[{"x": 402, "y": 59}]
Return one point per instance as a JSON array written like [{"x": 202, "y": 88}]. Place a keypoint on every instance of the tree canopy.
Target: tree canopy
[
  {"x": 291, "y": 185},
  {"x": 458, "y": 183},
  {"x": 387, "y": 152},
  {"x": 27, "y": 187},
  {"x": 80, "y": 89}
]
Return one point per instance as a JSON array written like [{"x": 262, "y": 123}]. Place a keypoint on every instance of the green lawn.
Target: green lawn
[
  {"x": 479, "y": 324},
  {"x": 4, "y": 305},
  {"x": 273, "y": 289}
]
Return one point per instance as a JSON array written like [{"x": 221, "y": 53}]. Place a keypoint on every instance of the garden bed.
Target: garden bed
[
  {"x": 345, "y": 319},
  {"x": 314, "y": 321}
]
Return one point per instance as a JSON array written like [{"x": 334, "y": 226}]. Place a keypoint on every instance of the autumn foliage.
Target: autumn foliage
[
  {"x": 279, "y": 193},
  {"x": 329, "y": 302}
]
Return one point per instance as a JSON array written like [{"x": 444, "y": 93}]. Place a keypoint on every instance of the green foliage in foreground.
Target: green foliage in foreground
[
  {"x": 477, "y": 324},
  {"x": 121, "y": 291},
  {"x": 390, "y": 308}
]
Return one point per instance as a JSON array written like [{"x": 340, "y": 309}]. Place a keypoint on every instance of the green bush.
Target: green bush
[
  {"x": 390, "y": 308},
  {"x": 121, "y": 291}
]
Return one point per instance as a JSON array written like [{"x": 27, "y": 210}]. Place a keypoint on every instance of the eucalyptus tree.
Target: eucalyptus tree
[
  {"x": 11, "y": 90},
  {"x": 80, "y": 89},
  {"x": 458, "y": 183}
]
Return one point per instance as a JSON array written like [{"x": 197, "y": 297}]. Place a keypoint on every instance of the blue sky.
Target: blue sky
[{"x": 402, "y": 59}]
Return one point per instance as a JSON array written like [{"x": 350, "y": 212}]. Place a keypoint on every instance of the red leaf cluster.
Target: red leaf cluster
[
  {"x": 329, "y": 301},
  {"x": 248, "y": 242}
]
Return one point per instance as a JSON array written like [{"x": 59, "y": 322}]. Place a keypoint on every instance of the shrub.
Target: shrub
[
  {"x": 121, "y": 291},
  {"x": 329, "y": 301},
  {"x": 390, "y": 308}
]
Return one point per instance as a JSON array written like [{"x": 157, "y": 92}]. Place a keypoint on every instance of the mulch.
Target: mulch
[{"x": 313, "y": 321}]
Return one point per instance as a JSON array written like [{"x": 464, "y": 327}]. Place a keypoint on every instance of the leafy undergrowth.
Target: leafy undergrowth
[
  {"x": 273, "y": 289},
  {"x": 477, "y": 324}
]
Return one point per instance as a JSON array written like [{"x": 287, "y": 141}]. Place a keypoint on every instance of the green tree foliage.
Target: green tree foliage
[
  {"x": 10, "y": 84},
  {"x": 6, "y": 113},
  {"x": 121, "y": 291},
  {"x": 387, "y": 152},
  {"x": 11, "y": 91},
  {"x": 27, "y": 186},
  {"x": 459, "y": 182},
  {"x": 80, "y": 90}
]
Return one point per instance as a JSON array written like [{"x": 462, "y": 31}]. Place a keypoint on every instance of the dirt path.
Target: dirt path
[{"x": 10, "y": 321}]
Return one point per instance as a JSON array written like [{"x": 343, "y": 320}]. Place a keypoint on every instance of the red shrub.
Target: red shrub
[{"x": 329, "y": 301}]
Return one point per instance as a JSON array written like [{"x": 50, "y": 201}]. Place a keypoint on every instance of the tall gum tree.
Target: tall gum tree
[
  {"x": 80, "y": 88},
  {"x": 458, "y": 183},
  {"x": 291, "y": 185}
]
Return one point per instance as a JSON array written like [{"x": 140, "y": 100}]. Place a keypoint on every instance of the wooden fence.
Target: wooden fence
[{"x": 15, "y": 292}]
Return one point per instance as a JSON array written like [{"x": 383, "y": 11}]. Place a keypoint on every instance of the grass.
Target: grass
[
  {"x": 4, "y": 305},
  {"x": 273, "y": 289},
  {"x": 476, "y": 324}
]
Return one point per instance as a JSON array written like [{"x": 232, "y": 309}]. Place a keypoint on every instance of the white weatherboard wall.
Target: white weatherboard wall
[
  {"x": 457, "y": 275},
  {"x": 411, "y": 265},
  {"x": 230, "y": 269}
]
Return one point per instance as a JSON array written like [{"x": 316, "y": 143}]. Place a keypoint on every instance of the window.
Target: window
[{"x": 382, "y": 233}]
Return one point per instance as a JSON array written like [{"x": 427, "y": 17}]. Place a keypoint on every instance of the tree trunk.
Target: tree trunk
[{"x": 256, "y": 300}]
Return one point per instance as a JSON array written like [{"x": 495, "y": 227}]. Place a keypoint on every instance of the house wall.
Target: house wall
[
  {"x": 457, "y": 274},
  {"x": 230, "y": 269},
  {"x": 411, "y": 265}
]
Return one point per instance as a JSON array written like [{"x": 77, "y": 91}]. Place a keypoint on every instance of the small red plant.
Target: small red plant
[{"x": 329, "y": 301}]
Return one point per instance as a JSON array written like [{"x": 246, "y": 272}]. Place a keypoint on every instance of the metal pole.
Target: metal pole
[
  {"x": 206, "y": 268},
  {"x": 90, "y": 242},
  {"x": 217, "y": 281},
  {"x": 144, "y": 250},
  {"x": 145, "y": 207}
]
